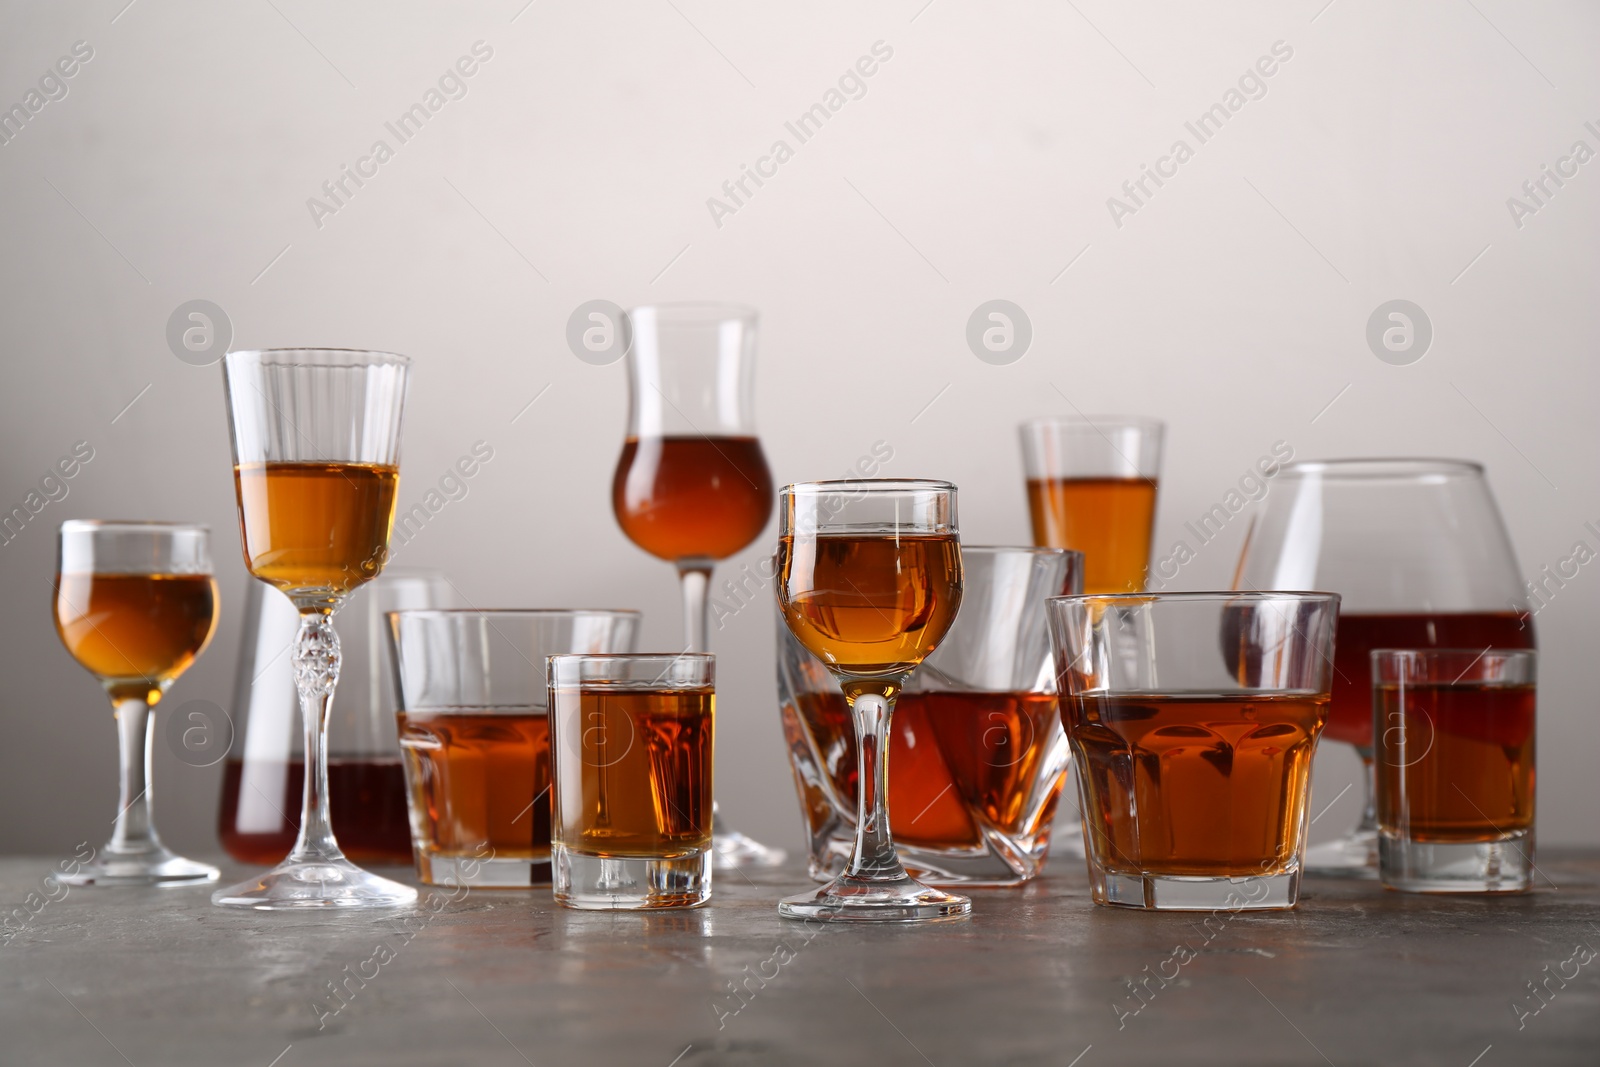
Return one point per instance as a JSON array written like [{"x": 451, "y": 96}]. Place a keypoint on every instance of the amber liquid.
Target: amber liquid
[
  {"x": 634, "y": 774},
  {"x": 1455, "y": 762},
  {"x": 1357, "y": 635},
  {"x": 958, "y": 762},
  {"x": 135, "y": 632},
  {"x": 1109, "y": 520},
  {"x": 870, "y": 604},
  {"x": 692, "y": 497},
  {"x": 367, "y": 797},
  {"x": 317, "y": 529},
  {"x": 479, "y": 779},
  {"x": 1219, "y": 783}
]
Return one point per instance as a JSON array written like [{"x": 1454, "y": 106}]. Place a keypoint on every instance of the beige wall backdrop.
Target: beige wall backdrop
[{"x": 1356, "y": 153}]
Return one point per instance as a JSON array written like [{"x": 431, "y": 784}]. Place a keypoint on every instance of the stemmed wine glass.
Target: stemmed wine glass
[
  {"x": 692, "y": 484},
  {"x": 316, "y": 452},
  {"x": 869, "y": 581},
  {"x": 1420, "y": 554},
  {"x": 135, "y": 604}
]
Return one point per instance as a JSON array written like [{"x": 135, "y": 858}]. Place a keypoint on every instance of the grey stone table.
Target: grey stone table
[{"x": 1354, "y": 976}]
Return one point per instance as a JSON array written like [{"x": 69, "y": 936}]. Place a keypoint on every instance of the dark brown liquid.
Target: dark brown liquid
[
  {"x": 958, "y": 762},
  {"x": 479, "y": 778},
  {"x": 1357, "y": 635},
  {"x": 870, "y": 604},
  {"x": 1195, "y": 784},
  {"x": 1109, "y": 520},
  {"x": 692, "y": 497},
  {"x": 318, "y": 528},
  {"x": 1455, "y": 762},
  {"x": 367, "y": 798},
  {"x": 633, "y": 771},
  {"x": 135, "y": 632}
]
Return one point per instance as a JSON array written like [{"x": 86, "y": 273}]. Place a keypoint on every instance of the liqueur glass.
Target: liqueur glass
[
  {"x": 474, "y": 725},
  {"x": 692, "y": 484},
  {"x": 631, "y": 749},
  {"x": 135, "y": 604},
  {"x": 976, "y": 743},
  {"x": 1420, "y": 554},
  {"x": 1455, "y": 749},
  {"x": 316, "y": 454},
  {"x": 869, "y": 581},
  {"x": 1092, "y": 487},
  {"x": 1193, "y": 719}
]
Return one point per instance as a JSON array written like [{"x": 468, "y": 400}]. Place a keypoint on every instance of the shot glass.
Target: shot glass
[
  {"x": 1193, "y": 718},
  {"x": 1455, "y": 752},
  {"x": 474, "y": 727},
  {"x": 631, "y": 744}
]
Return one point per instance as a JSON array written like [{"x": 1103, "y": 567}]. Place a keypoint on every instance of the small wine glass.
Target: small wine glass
[
  {"x": 692, "y": 484},
  {"x": 869, "y": 581},
  {"x": 135, "y": 604},
  {"x": 1421, "y": 556},
  {"x": 316, "y": 453}
]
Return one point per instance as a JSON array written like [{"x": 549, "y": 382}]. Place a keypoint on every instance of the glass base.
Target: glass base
[
  {"x": 630, "y": 883},
  {"x": 1501, "y": 866},
  {"x": 732, "y": 849},
  {"x": 889, "y": 900},
  {"x": 1161, "y": 892},
  {"x": 157, "y": 867},
  {"x": 335, "y": 883},
  {"x": 1355, "y": 856},
  {"x": 499, "y": 872}
]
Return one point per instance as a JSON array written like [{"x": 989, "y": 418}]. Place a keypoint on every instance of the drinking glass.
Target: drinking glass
[
  {"x": 316, "y": 452},
  {"x": 135, "y": 604},
  {"x": 1421, "y": 556},
  {"x": 631, "y": 742},
  {"x": 869, "y": 581},
  {"x": 1193, "y": 719},
  {"x": 978, "y": 754},
  {"x": 264, "y": 776},
  {"x": 475, "y": 728},
  {"x": 1092, "y": 487},
  {"x": 1455, "y": 749},
  {"x": 692, "y": 484}
]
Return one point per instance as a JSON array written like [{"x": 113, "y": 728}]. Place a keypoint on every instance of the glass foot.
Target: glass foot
[
  {"x": 732, "y": 849},
  {"x": 1501, "y": 866},
  {"x": 890, "y": 900},
  {"x": 335, "y": 883},
  {"x": 1355, "y": 856},
  {"x": 158, "y": 867}
]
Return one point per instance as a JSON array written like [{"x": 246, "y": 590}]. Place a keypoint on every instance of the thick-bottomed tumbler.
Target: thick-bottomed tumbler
[{"x": 1193, "y": 718}]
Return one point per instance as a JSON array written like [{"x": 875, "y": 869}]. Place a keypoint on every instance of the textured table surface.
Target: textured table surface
[{"x": 1355, "y": 975}]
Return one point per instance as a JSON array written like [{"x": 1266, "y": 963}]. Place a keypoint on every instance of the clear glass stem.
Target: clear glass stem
[
  {"x": 134, "y": 831},
  {"x": 695, "y": 575},
  {"x": 316, "y": 673},
  {"x": 871, "y": 706}
]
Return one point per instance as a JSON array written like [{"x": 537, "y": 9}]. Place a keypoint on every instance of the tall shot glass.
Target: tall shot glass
[
  {"x": 1193, "y": 718},
  {"x": 1455, "y": 749}
]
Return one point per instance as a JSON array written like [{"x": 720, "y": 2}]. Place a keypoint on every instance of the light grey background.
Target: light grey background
[{"x": 977, "y": 166}]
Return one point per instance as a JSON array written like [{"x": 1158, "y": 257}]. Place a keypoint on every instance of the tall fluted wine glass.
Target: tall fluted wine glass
[
  {"x": 692, "y": 484},
  {"x": 135, "y": 604},
  {"x": 316, "y": 462},
  {"x": 869, "y": 581},
  {"x": 1421, "y": 557}
]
